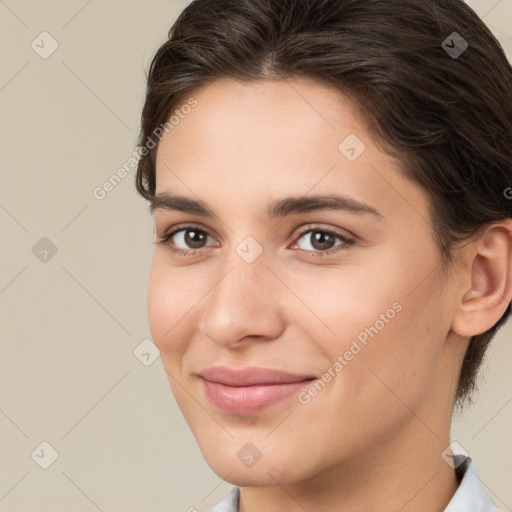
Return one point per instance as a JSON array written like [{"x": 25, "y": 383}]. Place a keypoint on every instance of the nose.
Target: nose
[{"x": 245, "y": 304}]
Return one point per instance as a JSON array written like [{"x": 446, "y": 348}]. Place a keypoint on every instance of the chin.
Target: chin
[
  {"x": 260, "y": 475},
  {"x": 234, "y": 465}
]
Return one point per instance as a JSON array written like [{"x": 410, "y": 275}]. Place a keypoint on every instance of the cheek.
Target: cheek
[
  {"x": 383, "y": 324},
  {"x": 171, "y": 299},
  {"x": 399, "y": 358},
  {"x": 338, "y": 305}
]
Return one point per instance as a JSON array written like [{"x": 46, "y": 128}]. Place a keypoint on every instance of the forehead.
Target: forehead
[
  {"x": 245, "y": 141},
  {"x": 268, "y": 125},
  {"x": 293, "y": 107}
]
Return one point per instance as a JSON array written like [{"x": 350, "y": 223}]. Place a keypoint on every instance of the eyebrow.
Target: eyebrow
[{"x": 275, "y": 209}]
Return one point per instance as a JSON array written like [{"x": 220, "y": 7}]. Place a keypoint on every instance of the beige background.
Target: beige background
[{"x": 69, "y": 326}]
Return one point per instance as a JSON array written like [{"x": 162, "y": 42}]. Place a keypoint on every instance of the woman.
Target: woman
[{"x": 329, "y": 190}]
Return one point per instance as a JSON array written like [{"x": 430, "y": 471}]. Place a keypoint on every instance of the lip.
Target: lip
[{"x": 249, "y": 390}]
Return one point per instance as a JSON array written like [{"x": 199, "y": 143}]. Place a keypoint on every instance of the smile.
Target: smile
[{"x": 250, "y": 390}]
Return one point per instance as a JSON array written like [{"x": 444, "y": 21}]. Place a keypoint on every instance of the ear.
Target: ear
[{"x": 486, "y": 284}]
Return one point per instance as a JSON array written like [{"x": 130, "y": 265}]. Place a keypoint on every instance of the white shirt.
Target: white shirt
[{"x": 469, "y": 497}]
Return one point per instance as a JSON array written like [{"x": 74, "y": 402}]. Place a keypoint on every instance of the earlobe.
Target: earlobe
[{"x": 484, "y": 300}]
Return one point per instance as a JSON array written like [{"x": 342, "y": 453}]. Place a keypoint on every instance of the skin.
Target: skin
[{"x": 372, "y": 438}]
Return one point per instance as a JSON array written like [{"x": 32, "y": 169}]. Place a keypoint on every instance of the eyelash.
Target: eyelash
[{"x": 347, "y": 242}]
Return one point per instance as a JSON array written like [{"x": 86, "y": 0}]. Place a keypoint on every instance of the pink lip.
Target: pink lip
[{"x": 249, "y": 390}]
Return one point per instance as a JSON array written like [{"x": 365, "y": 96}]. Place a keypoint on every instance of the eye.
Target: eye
[
  {"x": 322, "y": 241},
  {"x": 188, "y": 240},
  {"x": 184, "y": 239}
]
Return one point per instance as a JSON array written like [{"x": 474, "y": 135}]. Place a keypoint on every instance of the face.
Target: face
[{"x": 300, "y": 308}]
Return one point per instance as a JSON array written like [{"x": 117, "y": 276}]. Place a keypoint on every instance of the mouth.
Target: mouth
[{"x": 250, "y": 390}]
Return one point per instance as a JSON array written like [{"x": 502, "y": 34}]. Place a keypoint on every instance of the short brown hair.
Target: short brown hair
[{"x": 446, "y": 118}]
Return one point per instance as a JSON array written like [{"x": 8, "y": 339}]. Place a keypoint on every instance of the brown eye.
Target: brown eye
[
  {"x": 185, "y": 239},
  {"x": 194, "y": 238},
  {"x": 321, "y": 240}
]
